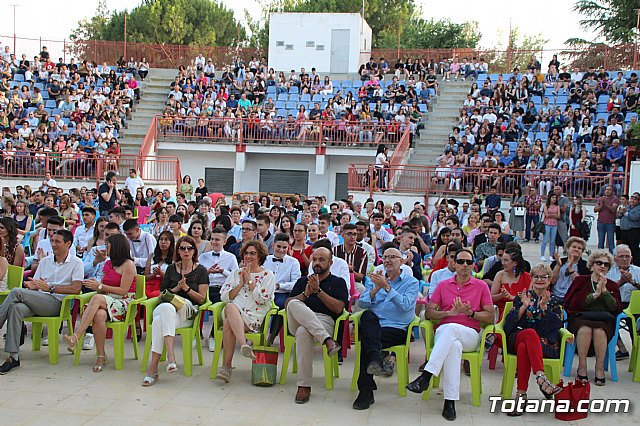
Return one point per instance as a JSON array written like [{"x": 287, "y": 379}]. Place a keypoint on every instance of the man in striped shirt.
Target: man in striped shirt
[{"x": 354, "y": 255}]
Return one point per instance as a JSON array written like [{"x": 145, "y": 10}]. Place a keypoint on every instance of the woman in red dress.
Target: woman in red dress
[{"x": 577, "y": 216}]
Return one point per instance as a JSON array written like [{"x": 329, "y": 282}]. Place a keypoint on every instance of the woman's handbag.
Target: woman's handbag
[
  {"x": 597, "y": 316},
  {"x": 519, "y": 211},
  {"x": 569, "y": 398},
  {"x": 539, "y": 228},
  {"x": 264, "y": 369},
  {"x": 179, "y": 303}
]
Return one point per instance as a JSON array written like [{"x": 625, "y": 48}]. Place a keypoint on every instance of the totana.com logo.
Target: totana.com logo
[{"x": 562, "y": 406}]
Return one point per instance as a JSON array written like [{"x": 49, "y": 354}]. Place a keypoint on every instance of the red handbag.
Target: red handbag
[{"x": 571, "y": 395}]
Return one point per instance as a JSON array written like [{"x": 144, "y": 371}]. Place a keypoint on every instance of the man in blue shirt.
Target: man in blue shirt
[
  {"x": 492, "y": 203},
  {"x": 390, "y": 300},
  {"x": 615, "y": 154}
]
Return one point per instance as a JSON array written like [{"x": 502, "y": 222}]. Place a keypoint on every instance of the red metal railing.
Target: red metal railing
[
  {"x": 80, "y": 166},
  {"x": 430, "y": 179},
  {"x": 239, "y": 131},
  {"x": 622, "y": 56}
]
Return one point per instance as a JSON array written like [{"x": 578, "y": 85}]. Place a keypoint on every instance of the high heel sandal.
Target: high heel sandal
[
  {"x": 98, "y": 367},
  {"x": 72, "y": 341},
  {"x": 544, "y": 383},
  {"x": 516, "y": 412}
]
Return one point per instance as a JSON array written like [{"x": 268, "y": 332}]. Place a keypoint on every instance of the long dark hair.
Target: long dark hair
[
  {"x": 157, "y": 253},
  {"x": 120, "y": 249},
  {"x": 12, "y": 232},
  {"x": 96, "y": 232}
]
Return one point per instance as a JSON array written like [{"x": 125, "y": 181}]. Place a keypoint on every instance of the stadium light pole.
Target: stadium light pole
[{"x": 14, "y": 26}]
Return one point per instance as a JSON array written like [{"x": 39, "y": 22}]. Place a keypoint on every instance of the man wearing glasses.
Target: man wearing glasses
[
  {"x": 390, "y": 300},
  {"x": 627, "y": 276},
  {"x": 460, "y": 303},
  {"x": 249, "y": 230}
]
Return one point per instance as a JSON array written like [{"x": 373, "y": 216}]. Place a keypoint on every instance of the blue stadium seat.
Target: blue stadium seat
[
  {"x": 45, "y": 95},
  {"x": 372, "y": 106},
  {"x": 281, "y": 112},
  {"x": 512, "y": 146},
  {"x": 627, "y": 118},
  {"x": 602, "y": 115},
  {"x": 317, "y": 97},
  {"x": 543, "y": 136},
  {"x": 422, "y": 107},
  {"x": 305, "y": 104},
  {"x": 56, "y": 111},
  {"x": 305, "y": 97},
  {"x": 293, "y": 89},
  {"x": 294, "y": 97},
  {"x": 283, "y": 97},
  {"x": 346, "y": 83},
  {"x": 292, "y": 105},
  {"x": 39, "y": 86},
  {"x": 588, "y": 146},
  {"x": 603, "y": 99},
  {"x": 50, "y": 104},
  {"x": 280, "y": 104},
  {"x": 601, "y": 108},
  {"x": 357, "y": 84},
  {"x": 536, "y": 100},
  {"x": 335, "y": 84},
  {"x": 271, "y": 89},
  {"x": 18, "y": 77},
  {"x": 548, "y": 92},
  {"x": 293, "y": 112}
]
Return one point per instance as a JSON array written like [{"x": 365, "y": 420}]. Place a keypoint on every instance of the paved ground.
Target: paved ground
[{"x": 38, "y": 393}]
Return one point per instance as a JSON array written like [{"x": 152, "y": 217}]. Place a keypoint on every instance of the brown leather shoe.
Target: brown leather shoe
[{"x": 303, "y": 394}]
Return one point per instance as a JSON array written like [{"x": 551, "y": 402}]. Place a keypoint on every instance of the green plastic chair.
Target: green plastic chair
[
  {"x": 256, "y": 338},
  {"x": 186, "y": 333},
  {"x": 474, "y": 358},
  {"x": 14, "y": 280},
  {"x": 552, "y": 366},
  {"x": 53, "y": 326},
  {"x": 331, "y": 368},
  {"x": 120, "y": 328},
  {"x": 631, "y": 311},
  {"x": 401, "y": 351}
]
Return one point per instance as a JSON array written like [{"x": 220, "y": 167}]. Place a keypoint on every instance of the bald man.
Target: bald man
[
  {"x": 390, "y": 301},
  {"x": 314, "y": 304}
]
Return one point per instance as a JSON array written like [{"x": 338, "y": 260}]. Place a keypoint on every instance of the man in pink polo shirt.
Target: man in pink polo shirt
[{"x": 460, "y": 303}]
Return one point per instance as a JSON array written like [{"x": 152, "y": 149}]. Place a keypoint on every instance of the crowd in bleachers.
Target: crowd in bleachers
[
  {"x": 552, "y": 128},
  {"x": 67, "y": 113},
  {"x": 292, "y": 106}
]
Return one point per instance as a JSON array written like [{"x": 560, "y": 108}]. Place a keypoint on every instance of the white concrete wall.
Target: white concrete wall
[
  {"x": 193, "y": 163},
  {"x": 299, "y": 28},
  {"x": 634, "y": 177}
]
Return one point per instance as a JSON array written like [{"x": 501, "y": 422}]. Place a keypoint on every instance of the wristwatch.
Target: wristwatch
[
  {"x": 52, "y": 289},
  {"x": 100, "y": 287},
  {"x": 473, "y": 313}
]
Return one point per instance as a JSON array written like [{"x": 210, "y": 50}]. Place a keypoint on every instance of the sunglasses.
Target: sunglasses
[
  {"x": 186, "y": 248},
  {"x": 540, "y": 277},
  {"x": 463, "y": 261},
  {"x": 601, "y": 263}
]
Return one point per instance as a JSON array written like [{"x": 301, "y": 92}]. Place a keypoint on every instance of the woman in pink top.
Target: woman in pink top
[
  {"x": 114, "y": 293},
  {"x": 551, "y": 212}
]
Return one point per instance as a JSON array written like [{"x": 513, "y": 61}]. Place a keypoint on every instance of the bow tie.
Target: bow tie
[
  {"x": 322, "y": 236},
  {"x": 359, "y": 243},
  {"x": 215, "y": 254},
  {"x": 275, "y": 259},
  {"x": 136, "y": 241}
]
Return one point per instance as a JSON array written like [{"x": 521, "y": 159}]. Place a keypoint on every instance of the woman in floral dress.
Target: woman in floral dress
[{"x": 248, "y": 293}]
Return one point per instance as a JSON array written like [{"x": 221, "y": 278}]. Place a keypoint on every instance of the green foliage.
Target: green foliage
[
  {"x": 429, "y": 34},
  {"x": 190, "y": 22},
  {"x": 517, "y": 53},
  {"x": 385, "y": 17},
  {"x": 614, "y": 20}
]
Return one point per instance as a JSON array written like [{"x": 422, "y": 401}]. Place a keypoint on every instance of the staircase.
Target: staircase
[
  {"x": 446, "y": 110},
  {"x": 154, "y": 95}
]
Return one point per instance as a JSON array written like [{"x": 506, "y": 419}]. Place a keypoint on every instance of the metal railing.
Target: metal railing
[
  {"x": 239, "y": 131},
  {"x": 87, "y": 167},
  {"x": 430, "y": 180}
]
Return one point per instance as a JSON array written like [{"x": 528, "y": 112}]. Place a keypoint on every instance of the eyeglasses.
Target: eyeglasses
[
  {"x": 391, "y": 257},
  {"x": 463, "y": 261},
  {"x": 601, "y": 263},
  {"x": 350, "y": 234},
  {"x": 297, "y": 231},
  {"x": 186, "y": 248},
  {"x": 251, "y": 253},
  {"x": 247, "y": 229},
  {"x": 540, "y": 277}
]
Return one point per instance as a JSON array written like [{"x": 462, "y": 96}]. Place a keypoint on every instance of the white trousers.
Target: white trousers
[
  {"x": 165, "y": 321},
  {"x": 450, "y": 341}
]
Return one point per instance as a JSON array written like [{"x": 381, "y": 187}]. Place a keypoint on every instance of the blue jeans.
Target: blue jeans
[
  {"x": 549, "y": 238},
  {"x": 607, "y": 230}
]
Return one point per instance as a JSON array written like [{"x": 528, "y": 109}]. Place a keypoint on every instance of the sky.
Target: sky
[{"x": 553, "y": 18}]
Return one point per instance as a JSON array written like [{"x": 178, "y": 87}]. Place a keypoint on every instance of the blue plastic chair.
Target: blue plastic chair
[{"x": 609, "y": 358}]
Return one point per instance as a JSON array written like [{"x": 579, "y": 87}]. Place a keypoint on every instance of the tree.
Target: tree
[
  {"x": 190, "y": 22},
  {"x": 517, "y": 53},
  {"x": 429, "y": 34},
  {"x": 614, "y": 20}
]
